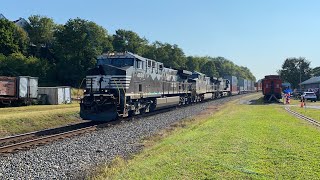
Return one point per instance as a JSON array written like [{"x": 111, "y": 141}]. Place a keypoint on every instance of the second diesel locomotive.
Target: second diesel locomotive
[{"x": 125, "y": 84}]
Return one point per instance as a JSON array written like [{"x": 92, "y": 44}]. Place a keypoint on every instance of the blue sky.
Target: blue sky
[{"x": 256, "y": 34}]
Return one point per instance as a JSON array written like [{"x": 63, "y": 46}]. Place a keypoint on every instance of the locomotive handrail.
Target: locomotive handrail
[
  {"x": 80, "y": 86},
  {"x": 125, "y": 99},
  {"x": 118, "y": 89}
]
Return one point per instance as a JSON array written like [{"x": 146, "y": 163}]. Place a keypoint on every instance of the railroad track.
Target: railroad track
[
  {"x": 29, "y": 140},
  {"x": 310, "y": 120},
  {"x": 33, "y": 139}
]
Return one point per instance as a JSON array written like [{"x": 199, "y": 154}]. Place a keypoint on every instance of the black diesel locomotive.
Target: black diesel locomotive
[{"x": 125, "y": 84}]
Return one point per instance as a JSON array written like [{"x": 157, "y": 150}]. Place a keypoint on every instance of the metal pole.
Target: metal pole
[{"x": 300, "y": 77}]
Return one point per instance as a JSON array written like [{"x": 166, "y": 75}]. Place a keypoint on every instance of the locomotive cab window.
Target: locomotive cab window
[
  {"x": 139, "y": 64},
  {"x": 122, "y": 62},
  {"x": 153, "y": 66},
  {"x": 160, "y": 67}
]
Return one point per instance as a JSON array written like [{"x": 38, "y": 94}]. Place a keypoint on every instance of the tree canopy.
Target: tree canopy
[
  {"x": 295, "y": 70},
  {"x": 60, "y": 54},
  {"x": 316, "y": 71},
  {"x": 125, "y": 40},
  {"x": 12, "y": 38},
  {"x": 41, "y": 30},
  {"x": 77, "y": 45}
]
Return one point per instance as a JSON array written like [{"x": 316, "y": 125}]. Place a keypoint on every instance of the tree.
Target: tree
[
  {"x": 130, "y": 41},
  {"x": 192, "y": 63},
  {"x": 12, "y": 38},
  {"x": 41, "y": 30},
  {"x": 170, "y": 55},
  {"x": 77, "y": 45},
  {"x": 295, "y": 69},
  {"x": 316, "y": 71},
  {"x": 209, "y": 69}
]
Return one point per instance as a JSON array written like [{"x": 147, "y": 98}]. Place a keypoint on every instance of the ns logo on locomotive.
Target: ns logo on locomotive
[{"x": 124, "y": 84}]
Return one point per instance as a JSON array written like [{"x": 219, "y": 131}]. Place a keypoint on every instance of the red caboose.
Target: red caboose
[{"x": 271, "y": 88}]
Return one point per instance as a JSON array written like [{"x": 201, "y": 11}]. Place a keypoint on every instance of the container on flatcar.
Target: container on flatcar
[
  {"x": 252, "y": 86},
  {"x": 243, "y": 85},
  {"x": 21, "y": 87},
  {"x": 21, "y": 90},
  {"x": 233, "y": 84},
  {"x": 7, "y": 86},
  {"x": 249, "y": 84},
  {"x": 27, "y": 87}
]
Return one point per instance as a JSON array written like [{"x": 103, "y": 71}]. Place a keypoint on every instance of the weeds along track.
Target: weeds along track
[{"x": 298, "y": 115}]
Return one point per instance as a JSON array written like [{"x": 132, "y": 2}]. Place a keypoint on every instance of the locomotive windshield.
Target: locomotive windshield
[{"x": 118, "y": 62}]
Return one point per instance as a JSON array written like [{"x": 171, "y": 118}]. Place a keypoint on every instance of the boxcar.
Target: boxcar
[{"x": 18, "y": 90}]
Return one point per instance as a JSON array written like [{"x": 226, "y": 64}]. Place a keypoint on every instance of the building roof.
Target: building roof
[
  {"x": 21, "y": 22},
  {"x": 312, "y": 80},
  {"x": 2, "y": 16}
]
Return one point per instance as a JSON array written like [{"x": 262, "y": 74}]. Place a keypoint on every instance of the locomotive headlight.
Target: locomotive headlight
[
  {"x": 105, "y": 90},
  {"x": 85, "y": 90}
]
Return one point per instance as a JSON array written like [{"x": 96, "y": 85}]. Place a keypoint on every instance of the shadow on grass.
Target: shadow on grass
[{"x": 260, "y": 101}]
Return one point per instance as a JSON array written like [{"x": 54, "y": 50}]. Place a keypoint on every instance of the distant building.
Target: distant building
[
  {"x": 2, "y": 16},
  {"x": 21, "y": 22},
  {"x": 312, "y": 84}
]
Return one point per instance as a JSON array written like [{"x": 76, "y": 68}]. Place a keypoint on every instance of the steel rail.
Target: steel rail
[
  {"x": 312, "y": 121},
  {"x": 45, "y": 139},
  {"x": 21, "y": 137}
]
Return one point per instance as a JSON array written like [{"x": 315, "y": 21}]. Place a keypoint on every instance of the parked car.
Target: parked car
[{"x": 310, "y": 96}]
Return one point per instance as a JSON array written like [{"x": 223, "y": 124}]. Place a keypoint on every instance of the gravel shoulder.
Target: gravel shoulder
[{"x": 76, "y": 157}]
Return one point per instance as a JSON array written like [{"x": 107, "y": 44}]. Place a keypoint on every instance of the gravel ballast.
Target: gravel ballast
[{"x": 75, "y": 157}]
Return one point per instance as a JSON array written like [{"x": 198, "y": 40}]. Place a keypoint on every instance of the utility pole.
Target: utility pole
[{"x": 300, "y": 75}]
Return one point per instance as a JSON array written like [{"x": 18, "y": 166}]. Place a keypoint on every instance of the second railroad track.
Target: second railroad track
[{"x": 310, "y": 120}]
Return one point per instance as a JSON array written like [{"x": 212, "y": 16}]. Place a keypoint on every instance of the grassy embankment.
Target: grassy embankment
[
  {"x": 237, "y": 142},
  {"x": 31, "y": 118}
]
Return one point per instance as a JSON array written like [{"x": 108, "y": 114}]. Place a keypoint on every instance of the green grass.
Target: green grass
[
  {"x": 309, "y": 112},
  {"x": 31, "y": 118},
  {"x": 238, "y": 142}
]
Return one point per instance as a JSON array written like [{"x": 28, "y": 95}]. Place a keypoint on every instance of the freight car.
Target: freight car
[
  {"x": 242, "y": 85},
  {"x": 233, "y": 84},
  {"x": 125, "y": 84},
  {"x": 258, "y": 85},
  {"x": 271, "y": 88},
  {"x": 21, "y": 90}
]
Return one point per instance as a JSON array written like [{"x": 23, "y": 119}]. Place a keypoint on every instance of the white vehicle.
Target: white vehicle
[{"x": 310, "y": 96}]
